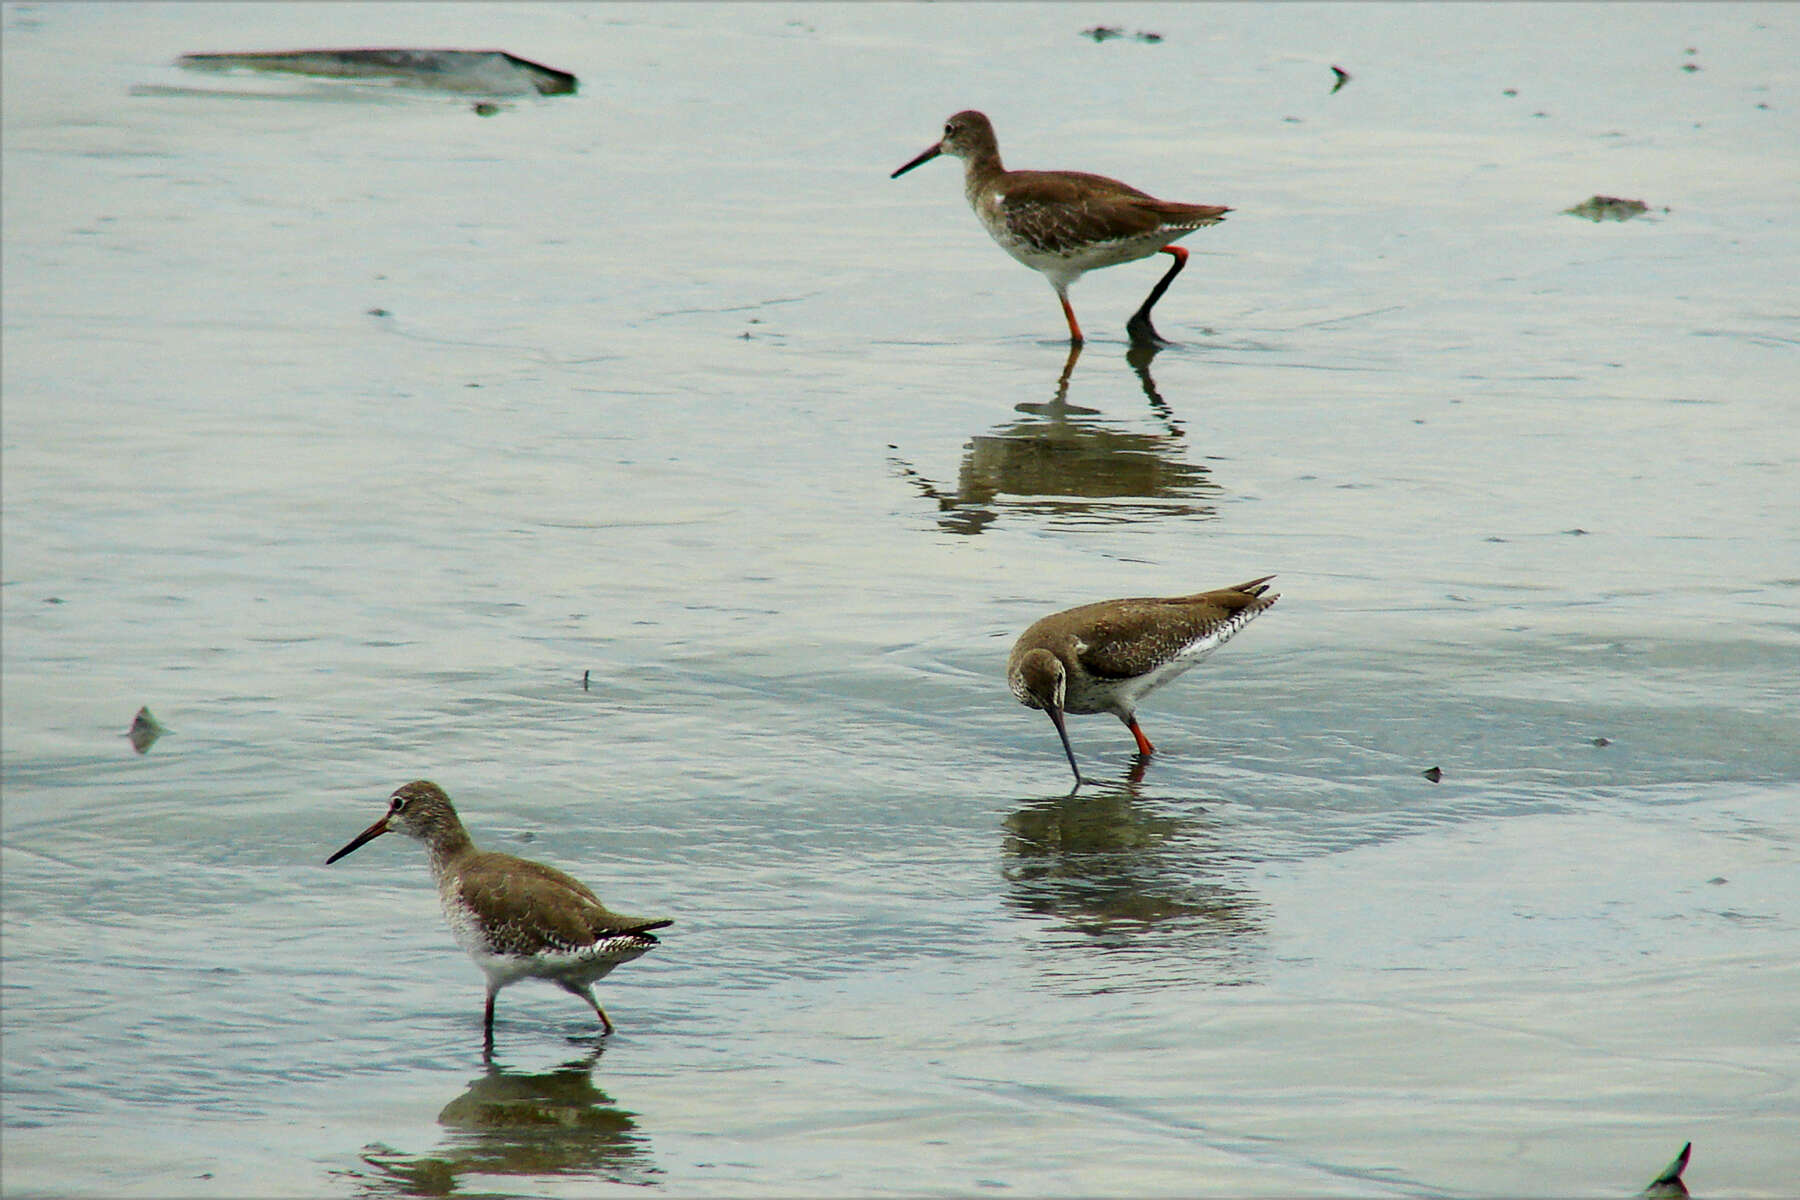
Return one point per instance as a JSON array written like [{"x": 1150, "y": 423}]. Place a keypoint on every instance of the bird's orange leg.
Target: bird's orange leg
[
  {"x": 1144, "y": 746},
  {"x": 1075, "y": 338}
]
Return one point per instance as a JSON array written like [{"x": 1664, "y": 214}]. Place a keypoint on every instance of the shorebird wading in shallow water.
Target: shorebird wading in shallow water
[
  {"x": 1106, "y": 657},
  {"x": 1066, "y": 223},
  {"x": 517, "y": 919}
]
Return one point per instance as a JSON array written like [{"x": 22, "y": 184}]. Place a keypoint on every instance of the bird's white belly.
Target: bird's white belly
[
  {"x": 1122, "y": 695},
  {"x": 583, "y": 965},
  {"x": 1062, "y": 266}
]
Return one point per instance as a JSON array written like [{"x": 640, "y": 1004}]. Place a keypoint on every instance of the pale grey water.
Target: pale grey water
[{"x": 678, "y": 389}]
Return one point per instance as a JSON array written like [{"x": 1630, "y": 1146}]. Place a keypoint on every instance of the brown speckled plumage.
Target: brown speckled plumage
[
  {"x": 517, "y": 919},
  {"x": 1066, "y": 223},
  {"x": 1105, "y": 657}
]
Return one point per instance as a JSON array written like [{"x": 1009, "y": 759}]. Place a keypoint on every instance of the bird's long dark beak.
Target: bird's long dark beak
[
  {"x": 1056, "y": 718},
  {"x": 929, "y": 154},
  {"x": 368, "y": 835}
]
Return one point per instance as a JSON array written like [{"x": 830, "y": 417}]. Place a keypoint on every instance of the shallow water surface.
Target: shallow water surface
[{"x": 349, "y": 431}]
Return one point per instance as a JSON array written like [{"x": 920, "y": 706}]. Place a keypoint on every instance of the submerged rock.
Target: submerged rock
[
  {"x": 1608, "y": 208},
  {"x": 144, "y": 730},
  {"x": 493, "y": 72}
]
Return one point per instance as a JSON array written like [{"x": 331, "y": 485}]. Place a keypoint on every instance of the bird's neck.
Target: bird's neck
[
  {"x": 448, "y": 848},
  {"x": 980, "y": 169}
]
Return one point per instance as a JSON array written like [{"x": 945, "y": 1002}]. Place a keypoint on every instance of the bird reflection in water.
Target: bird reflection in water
[
  {"x": 1146, "y": 884},
  {"x": 507, "y": 1124},
  {"x": 1060, "y": 459}
]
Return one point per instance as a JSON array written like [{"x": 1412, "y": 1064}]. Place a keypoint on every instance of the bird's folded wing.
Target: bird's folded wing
[
  {"x": 539, "y": 909},
  {"x": 1138, "y": 635}
]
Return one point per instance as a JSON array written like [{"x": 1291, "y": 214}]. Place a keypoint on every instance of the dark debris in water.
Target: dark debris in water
[
  {"x": 1608, "y": 208},
  {"x": 491, "y": 71},
  {"x": 1106, "y": 33},
  {"x": 1668, "y": 1185},
  {"x": 1433, "y": 773},
  {"x": 144, "y": 731},
  {"x": 1343, "y": 77},
  {"x": 1602, "y": 741}
]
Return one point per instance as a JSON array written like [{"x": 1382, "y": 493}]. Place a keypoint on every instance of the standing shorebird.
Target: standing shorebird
[
  {"x": 1105, "y": 657},
  {"x": 517, "y": 919},
  {"x": 1066, "y": 223}
]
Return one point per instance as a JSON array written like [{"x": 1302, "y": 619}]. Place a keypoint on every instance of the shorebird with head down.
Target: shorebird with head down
[{"x": 1106, "y": 657}]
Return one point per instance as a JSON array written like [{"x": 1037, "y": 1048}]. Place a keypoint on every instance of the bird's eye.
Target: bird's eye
[{"x": 398, "y": 804}]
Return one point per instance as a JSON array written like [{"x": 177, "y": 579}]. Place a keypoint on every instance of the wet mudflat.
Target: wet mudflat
[{"x": 346, "y": 429}]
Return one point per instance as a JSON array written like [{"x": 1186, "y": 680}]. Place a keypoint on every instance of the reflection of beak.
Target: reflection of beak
[
  {"x": 1056, "y": 718},
  {"x": 368, "y": 835},
  {"x": 929, "y": 154}
]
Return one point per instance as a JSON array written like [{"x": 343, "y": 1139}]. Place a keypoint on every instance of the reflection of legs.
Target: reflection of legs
[
  {"x": 586, "y": 992},
  {"x": 1144, "y": 746},
  {"x": 1139, "y": 326},
  {"x": 1075, "y": 338}
]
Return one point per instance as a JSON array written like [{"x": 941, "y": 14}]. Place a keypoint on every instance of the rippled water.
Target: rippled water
[{"x": 348, "y": 432}]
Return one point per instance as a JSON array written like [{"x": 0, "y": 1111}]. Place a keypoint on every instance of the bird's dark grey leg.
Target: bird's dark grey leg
[{"x": 1139, "y": 327}]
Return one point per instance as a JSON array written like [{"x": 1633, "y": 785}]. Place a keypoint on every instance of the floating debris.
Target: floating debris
[
  {"x": 493, "y": 72},
  {"x": 1106, "y": 33},
  {"x": 485, "y": 108},
  {"x": 1602, "y": 741},
  {"x": 1668, "y": 1185},
  {"x": 1608, "y": 208},
  {"x": 1433, "y": 773},
  {"x": 144, "y": 730},
  {"x": 584, "y": 681},
  {"x": 1343, "y": 77}
]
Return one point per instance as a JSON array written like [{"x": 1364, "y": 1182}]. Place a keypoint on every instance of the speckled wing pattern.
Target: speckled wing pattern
[
  {"x": 527, "y": 909},
  {"x": 1060, "y": 212},
  {"x": 1137, "y": 635}
]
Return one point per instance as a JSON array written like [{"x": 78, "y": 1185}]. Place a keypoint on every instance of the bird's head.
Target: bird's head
[{"x": 419, "y": 810}]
